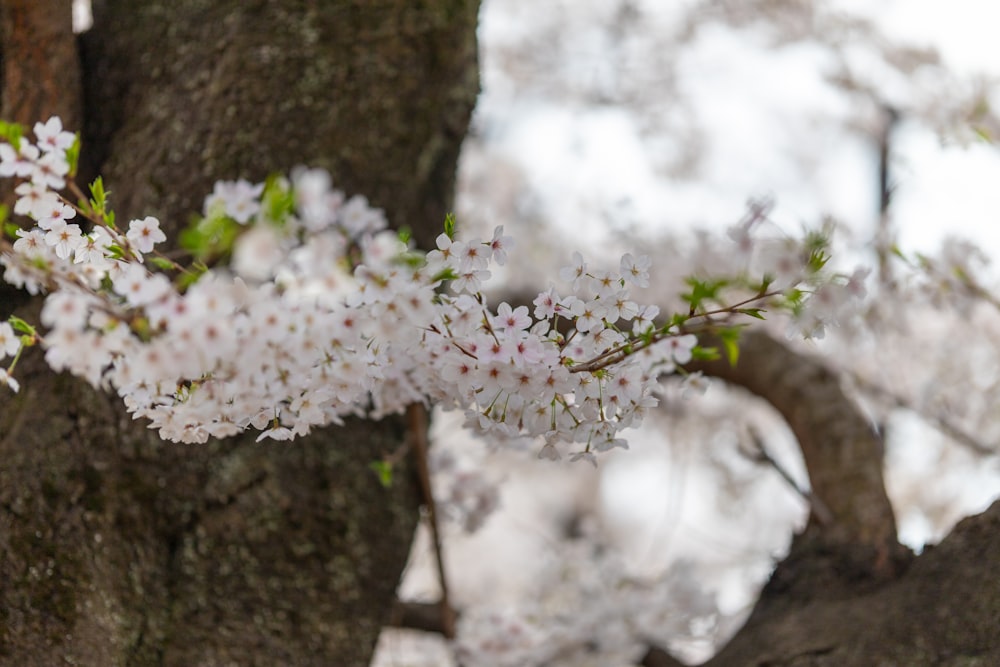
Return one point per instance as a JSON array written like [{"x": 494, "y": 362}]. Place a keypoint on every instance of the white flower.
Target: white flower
[
  {"x": 589, "y": 315},
  {"x": 19, "y": 162},
  {"x": 546, "y": 304},
  {"x": 30, "y": 243},
  {"x": 57, "y": 212},
  {"x": 49, "y": 171},
  {"x": 34, "y": 200},
  {"x": 317, "y": 204},
  {"x": 636, "y": 269},
  {"x": 500, "y": 244},
  {"x": 51, "y": 137},
  {"x": 358, "y": 218},
  {"x": 145, "y": 233},
  {"x": 6, "y": 379},
  {"x": 511, "y": 319},
  {"x": 92, "y": 249},
  {"x": 240, "y": 200},
  {"x": 138, "y": 286},
  {"x": 10, "y": 342},
  {"x": 276, "y": 433},
  {"x": 257, "y": 253},
  {"x": 694, "y": 384},
  {"x": 63, "y": 238},
  {"x": 575, "y": 272},
  {"x": 680, "y": 347}
]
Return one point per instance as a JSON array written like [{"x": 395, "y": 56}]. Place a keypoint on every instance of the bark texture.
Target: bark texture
[
  {"x": 119, "y": 549},
  {"x": 848, "y": 593},
  {"x": 842, "y": 452}
]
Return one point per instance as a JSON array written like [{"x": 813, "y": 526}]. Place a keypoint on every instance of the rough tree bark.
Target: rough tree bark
[
  {"x": 119, "y": 549},
  {"x": 848, "y": 594}
]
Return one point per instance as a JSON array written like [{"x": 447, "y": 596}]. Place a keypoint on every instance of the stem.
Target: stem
[
  {"x": 416, "y": 417},
  {"x": 625, "y": 350}
]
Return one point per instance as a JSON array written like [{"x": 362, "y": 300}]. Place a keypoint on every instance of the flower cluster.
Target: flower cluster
[{"x": 325, "y": 313}]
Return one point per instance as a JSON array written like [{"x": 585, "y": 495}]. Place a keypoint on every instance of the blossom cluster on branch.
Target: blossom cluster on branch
[{"x": 322, "y": 312}]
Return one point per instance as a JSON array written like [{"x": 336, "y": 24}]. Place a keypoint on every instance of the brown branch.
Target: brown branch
[
  {"x": 816, "y": 504},
  {"x": 842, "y": 452},
  {"x": 943, "y": 424},
  {"x": 657, "y": 657},
  {"x": 424, "y": 616},
  {"x": 416, "y": 417}
]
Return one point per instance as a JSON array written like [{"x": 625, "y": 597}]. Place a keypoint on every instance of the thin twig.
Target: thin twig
[
  {"x": 818, "y": 507},
  {"x": 943, "y": 424},
  {"x": 620, "y": 352},
  {"x": 416, "y": 417}
]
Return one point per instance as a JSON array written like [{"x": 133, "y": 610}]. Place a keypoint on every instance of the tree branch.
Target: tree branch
[
  {"x": 416, "y": 417},
  {"x": 843, "y": 454}
]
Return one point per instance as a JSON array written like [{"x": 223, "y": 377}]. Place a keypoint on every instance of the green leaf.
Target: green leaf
[
  {"x": 384, "y": 471},
  {"x": 162, "y": 263},
  {"x": 699, "y": 353},
  {"x": 12, "y": 132},
  {"x": 277, "y": 200},
  {"x": 730, "y": 337},
  {"x": 449, "y": 226},
  {"x": 795, "y": 302},
  {"x": 702, "y": 291},
  {"x": 211, "y": 237},
  {"x": 414, "y": 260},
  {"x": 189, "y": 278},
  {"x": 21, "y": 326},
  {"x": 73, "y": 155},
  {"x": 752, "y": 312},
  {"x": 9, "y": 228},
  {"x": 99, "y": 202},
  {"x": 405, "y": 234},
  {"x": 444, "y": 274}
]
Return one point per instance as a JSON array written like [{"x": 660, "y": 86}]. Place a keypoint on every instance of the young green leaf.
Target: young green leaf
[
  {"x": 752, "y": 312},
  {"x": 384, "y": 471},
  {"x": 73, "y": 155},
  {"x": 12, "y": 132},
  {"x": 699, "y": 353},
  {"x": 277, "y": 200},
  {"x": 449, "y": 226},
  {"x": 162, "y": 263},
  {"x": 730, "y": 337},
  {"x": 21, "y": 326}
]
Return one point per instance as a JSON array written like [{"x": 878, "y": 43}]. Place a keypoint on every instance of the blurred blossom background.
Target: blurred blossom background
[{"x": 606, "y": 126}]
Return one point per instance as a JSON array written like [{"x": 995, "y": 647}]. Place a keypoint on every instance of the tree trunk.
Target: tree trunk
[
  {"x": 119, "y": 549},
  {"x": 848, "y": 594}
]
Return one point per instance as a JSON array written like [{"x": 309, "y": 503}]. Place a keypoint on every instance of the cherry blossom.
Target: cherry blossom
[
  {"x": 9, "y": 342},
  {"x": 51, "y": 136},
  {"x": 145, "y": 233},
  {"x": 326, "y": 314}
]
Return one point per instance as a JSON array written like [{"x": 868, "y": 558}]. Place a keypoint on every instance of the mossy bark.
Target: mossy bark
[{"x": 119, "y": 549}]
